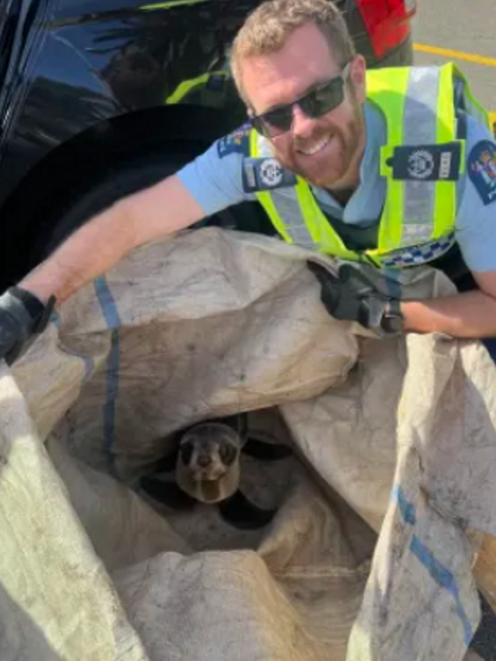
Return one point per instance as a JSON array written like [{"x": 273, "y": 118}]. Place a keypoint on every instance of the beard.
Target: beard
[{"x": 329, "y": 157}]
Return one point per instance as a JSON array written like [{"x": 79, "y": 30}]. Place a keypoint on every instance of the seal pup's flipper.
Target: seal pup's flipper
[
  {"x": 243, "y": 514},
  {"x": 261, "y": 449},
  {"x": 167, "y": 493}
]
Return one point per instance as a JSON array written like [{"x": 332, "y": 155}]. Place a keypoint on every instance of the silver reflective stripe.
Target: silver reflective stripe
[
  {"x": 413, "y": 234},
  {"x": 264, "y": 147},
  {"x": 288, "y": 206},
  {"x": 420, "y": 128}
]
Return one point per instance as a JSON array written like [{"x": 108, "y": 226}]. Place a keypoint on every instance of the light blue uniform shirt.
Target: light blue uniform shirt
[{"x": 216, "y": 183}]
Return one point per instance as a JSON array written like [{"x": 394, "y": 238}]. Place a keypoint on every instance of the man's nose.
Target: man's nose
[{"x": 302, "y": 124}]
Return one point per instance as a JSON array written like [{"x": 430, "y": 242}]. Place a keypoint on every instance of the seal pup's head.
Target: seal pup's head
[{"x": 208, "y": 462}]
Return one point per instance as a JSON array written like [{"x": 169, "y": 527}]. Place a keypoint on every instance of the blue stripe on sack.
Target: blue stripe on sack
[
  {"x": 55, "y": 319},
  {"x": 407, "y": 509},
  {"x": 107, "y": 303},
  {"x": 111, "y": 314},
  {"x": 445, "y": 579},
  {"x": 438, "y": 572},
  {"x": 88, "y": 368}
]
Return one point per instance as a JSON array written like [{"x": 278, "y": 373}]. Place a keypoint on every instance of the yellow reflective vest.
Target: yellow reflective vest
[
  {"x": 422, "y": 161},
  {"x": 209, "y": 89}
]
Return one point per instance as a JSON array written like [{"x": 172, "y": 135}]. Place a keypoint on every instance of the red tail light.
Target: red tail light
[{"x": 386, "y": 22}]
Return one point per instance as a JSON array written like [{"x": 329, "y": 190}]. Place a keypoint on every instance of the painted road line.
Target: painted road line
[
  {"x": 460, "y": 55},
  {"x": 456, "y": 54}
]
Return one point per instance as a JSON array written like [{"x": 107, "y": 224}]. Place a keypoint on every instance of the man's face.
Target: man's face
[{"x": 325, "y": 151}]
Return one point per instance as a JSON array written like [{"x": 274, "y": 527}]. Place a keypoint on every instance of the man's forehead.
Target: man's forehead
[{"x": 303, "y": 62}]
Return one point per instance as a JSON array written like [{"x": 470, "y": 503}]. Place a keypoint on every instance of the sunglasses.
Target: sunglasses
[{"x": 315, "y": 103}]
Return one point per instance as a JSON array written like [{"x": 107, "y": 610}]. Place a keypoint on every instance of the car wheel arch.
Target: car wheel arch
[{"x": 179, "y": 132}]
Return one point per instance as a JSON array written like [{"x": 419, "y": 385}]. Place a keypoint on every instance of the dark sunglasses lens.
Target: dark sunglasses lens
[
  {"x": 323, "y": 100},
  {"x": 316, "y": 103},
  {"x": 276, "y": 121}
]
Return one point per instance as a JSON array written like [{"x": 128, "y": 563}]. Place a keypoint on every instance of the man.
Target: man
[{"x": 384, "y": 168}]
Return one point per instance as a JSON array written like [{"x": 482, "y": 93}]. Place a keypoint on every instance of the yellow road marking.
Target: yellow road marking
[
  {"x": 460, "y": 55},
  {"x": 456, "y": 54}
]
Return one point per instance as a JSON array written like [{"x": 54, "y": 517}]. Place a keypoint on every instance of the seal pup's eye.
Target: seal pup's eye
[
  {"x": 227, "y": 454},
  {"x": 186, "y": 453}
]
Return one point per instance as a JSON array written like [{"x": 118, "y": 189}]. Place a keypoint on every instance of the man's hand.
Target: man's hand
[
  {"x": 22, "y": 317},
  {"x": 351, "y": 296}
]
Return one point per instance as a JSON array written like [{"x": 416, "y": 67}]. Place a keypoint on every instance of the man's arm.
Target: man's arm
[
  {"x": 468, "y": 315},
  {"x": 97, "y": 246},
  {"x": 471, "y": 314},
  {"x": 208, "y": 184}
]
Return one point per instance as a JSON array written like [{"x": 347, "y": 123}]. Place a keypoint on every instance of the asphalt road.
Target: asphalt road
[
  {"x": 467, "y": 30},
  {"x": 467, "y": 27}
]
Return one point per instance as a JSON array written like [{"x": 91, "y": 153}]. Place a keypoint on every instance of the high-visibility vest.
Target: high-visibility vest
[
  {"x": 209, "y": 89},
  {"x": 422, "y": 160}
]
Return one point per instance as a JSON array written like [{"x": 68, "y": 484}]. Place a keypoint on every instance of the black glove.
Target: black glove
[
  {"x": 352, "y": 297},
  {"x": 22, "y": 317}
]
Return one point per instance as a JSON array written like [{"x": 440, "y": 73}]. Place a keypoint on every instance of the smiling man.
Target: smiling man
[
  {"x": 394, "y": 167},
  {"x": 285, "y": 77}
]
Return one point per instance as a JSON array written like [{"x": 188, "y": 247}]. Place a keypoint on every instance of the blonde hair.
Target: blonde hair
[{"x": 268, "y": 27}]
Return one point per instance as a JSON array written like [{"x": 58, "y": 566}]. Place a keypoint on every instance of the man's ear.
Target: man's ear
[{"x": 357, "y": 76}]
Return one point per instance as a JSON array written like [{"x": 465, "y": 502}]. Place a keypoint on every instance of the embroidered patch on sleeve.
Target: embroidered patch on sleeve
[
  {"x": 261, "y": 174},
  {"x": 482, "y": 170},
  {"x": 234, "y": 143}
]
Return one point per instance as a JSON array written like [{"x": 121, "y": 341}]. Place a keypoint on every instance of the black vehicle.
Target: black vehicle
[{"x": 99, "y": 98}]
